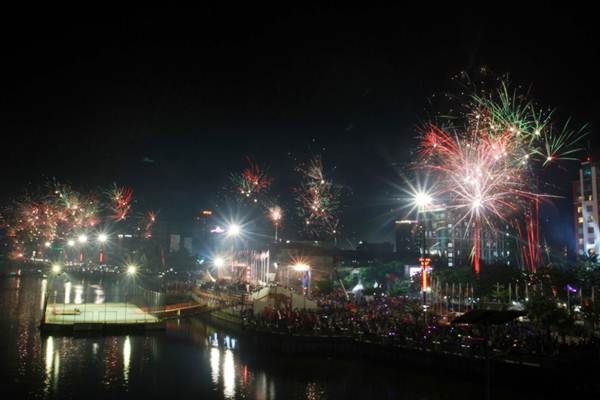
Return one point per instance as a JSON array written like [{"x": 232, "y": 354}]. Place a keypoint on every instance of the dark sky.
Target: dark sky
[{"x": 86, "y": 98}]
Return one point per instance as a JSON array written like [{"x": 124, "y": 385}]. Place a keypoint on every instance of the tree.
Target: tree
[
  {"x": 324, "y": 285},
  {"x": 546, "y": 314},
  {"x": 591, "y": 313}
]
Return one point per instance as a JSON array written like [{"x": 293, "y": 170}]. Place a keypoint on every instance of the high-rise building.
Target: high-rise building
[
  {"x": 203, "y": 233},
  {"x": 406, "y": 239},
  {"x": 441, "y": 232},
  {"x": 585, "y": 199}
]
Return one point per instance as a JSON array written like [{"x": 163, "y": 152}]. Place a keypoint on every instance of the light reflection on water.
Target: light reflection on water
[
  {"x": 126, "y": 358},
  {"x": 228, "y": 375},
  {"x": 67, "y": 292},
  {"x": 43, "y": 287},
  {"x": 52, "y": 366},
  {"x": 191, "y": 359},
  {"x": 78, "y": 294},
  {"x": 215, "y": 360}
]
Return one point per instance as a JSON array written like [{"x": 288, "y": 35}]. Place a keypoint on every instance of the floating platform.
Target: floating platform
[{"x": 107, "y": 317}]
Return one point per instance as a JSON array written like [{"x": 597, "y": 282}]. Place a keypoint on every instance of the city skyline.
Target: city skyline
[{"x": 150, "y": 112}]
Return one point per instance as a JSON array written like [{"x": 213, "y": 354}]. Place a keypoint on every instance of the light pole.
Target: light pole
[
  {"x": 422, "y": 200},
  {"x": 302, "y": 267},
  {"x": 55, "y": 271},
  {"x": 131, "y": 271},
  {"x": 233, "y": 231}
]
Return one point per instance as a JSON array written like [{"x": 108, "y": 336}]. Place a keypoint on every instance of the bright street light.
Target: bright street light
[
  {"x": 47, "y": 244},
  {"x": 82, "y": 238},
  {"x": 219, "y": 262},
  {"x": 234, "y": 230},
  {"x": 71, "y": 243},
  {"x": 55, "y": 268},
  {"x": 102, "y": 237},
  {"x": 422, "y": 199},
  {"x": 131, "y": 270},
  {"x": 301, "y": 267}
]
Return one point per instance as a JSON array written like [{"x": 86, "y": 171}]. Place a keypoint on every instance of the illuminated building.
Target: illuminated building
[
  {"x": 441, "y": 234},
  {"x": 585, "y": 199}
]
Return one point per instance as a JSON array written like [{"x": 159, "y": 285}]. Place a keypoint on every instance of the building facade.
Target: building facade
[
  {"x": 406, "y": 238},
  {"x": 585, "y": 199},
  {"x": 443, "y": 233}
]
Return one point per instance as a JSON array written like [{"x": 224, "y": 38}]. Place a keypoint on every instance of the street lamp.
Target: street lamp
[
  {"x": 131, "y": 271},
  {"x": 47, "y": 244},
  {"x": 219, "y": 262},
  {"x": 102, "y": 237},
  {"x": 71, "y": 243},
  {"x": 55, "y": 269},
  {"x": 234, "y": 230},
  {"x": 301, "y": 267},
  {"x": 82, "y": 238},
  {"x": 305, "y": 268},
  {"x": 422, "y": 199}
]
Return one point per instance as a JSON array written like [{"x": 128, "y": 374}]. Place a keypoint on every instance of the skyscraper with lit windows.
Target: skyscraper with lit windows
[{"x": 585, "y": 199}]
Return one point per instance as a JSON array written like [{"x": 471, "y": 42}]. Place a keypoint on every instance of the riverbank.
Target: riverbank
[{"x": 555, "y": 374}]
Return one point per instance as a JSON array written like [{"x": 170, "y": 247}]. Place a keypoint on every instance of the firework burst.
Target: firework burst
[
  {"x": 58, "y": 214},
  {"x": 318, "y": 199},
  {"x": 120, "y": 198},
  {"x": 485, "y": 168},
  {"x": 252, "y": 183}
]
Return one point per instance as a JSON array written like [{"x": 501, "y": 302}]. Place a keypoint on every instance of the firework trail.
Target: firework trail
[
  {"x": 121, "y": 198},
  {"x": 485, "y": 166},
  {"x": 149, "y": 221}
]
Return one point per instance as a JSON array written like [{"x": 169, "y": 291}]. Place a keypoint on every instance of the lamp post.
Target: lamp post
[
  {"x": 55, "y": 270},
  {"x": 233, "y": 231},
  {"x": 302, "y": 267},
  {"x": 131, "y": 271}
]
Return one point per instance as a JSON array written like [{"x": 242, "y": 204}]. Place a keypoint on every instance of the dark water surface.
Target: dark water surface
[{"x": 192, "y": 359}]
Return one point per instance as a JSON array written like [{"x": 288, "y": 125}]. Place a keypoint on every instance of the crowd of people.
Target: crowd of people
[{"x": 401, "y": 321}]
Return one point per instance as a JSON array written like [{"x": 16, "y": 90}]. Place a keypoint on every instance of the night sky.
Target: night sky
[{"x": 170, "y": 103}]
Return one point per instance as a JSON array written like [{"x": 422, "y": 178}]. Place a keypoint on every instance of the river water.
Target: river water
[{"x": 191, "y": 359}]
